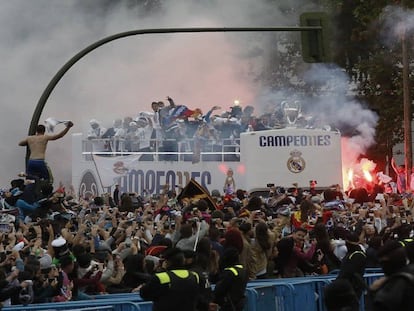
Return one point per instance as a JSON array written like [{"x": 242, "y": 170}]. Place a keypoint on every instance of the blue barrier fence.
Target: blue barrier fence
[
  {"x": 293, "y": 294},
  {"x": 98, "y": 305}
]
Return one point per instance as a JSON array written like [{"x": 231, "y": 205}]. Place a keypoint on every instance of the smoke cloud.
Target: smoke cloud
[
  {"x": 395, "y": 22},
  {"x": 123, "y": 77}
]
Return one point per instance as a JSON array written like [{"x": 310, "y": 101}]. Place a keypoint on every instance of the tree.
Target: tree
[{"x": 374, "y": 62}]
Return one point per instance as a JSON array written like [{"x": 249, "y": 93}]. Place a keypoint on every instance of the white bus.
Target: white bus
[{"x": 280, "y": 156}]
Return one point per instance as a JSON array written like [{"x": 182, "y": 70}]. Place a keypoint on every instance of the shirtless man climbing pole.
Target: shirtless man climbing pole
[{"x": 37, "y": 144}]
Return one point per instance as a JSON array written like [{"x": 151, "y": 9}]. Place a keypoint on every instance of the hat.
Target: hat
[
  {"x": 45, "y": 262},
  {"x": 59, "y": 242},
  {"x": 155, "y": 250},
  {"x": 132, "y": 123},
  {"x": 60, "y": 247}
]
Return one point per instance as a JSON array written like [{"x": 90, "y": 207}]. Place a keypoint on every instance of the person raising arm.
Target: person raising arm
[{"x": 37, "y": 145}]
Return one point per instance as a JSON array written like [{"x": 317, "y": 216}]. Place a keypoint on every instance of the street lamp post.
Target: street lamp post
[
  {"x": 58, "y": 76},
  {"x": 407, "y": 110}
]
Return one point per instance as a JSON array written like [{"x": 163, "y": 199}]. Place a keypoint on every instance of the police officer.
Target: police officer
[
  {"x": 353, "y": 265},
  {"x": 175, "y": 289},
  {"x": 229, "y": 292},
  {"x": 404, "y": 235}
]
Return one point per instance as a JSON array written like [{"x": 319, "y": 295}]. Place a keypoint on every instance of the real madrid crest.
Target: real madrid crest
[
  {"x": 296, "y": 163},
  {"x": 119, "y": 168}
]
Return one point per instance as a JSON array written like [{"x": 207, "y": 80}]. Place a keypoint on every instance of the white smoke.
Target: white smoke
[
  {"x": 395, "y": 22},
  {"x": 331, "y": 99}
]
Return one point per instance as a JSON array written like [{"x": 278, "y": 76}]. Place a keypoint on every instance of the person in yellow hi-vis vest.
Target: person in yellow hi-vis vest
[
  {"x": 353, "y": 264},
  {"x": 174, "y": 289},
  {"x": 229, "y": 292}
]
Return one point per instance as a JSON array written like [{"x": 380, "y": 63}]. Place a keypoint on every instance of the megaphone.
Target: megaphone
[{"x": 50, "y": 123}]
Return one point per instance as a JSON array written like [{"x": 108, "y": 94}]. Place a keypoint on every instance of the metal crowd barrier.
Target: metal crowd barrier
[
  {"x": 82, "y": 305},
  {"x": 296, "y": 294},
  {"x": 290, "y": 294}
]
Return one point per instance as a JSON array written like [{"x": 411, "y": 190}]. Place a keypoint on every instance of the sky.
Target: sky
[{"x": 123, "y": 77}]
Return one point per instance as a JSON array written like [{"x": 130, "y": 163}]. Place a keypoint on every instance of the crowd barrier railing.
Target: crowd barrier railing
[
  {"x": 101, "y": 304},
  {"x": 133, "y": 297},
  {"x": 289, "y": 294},
  {"x": 302, "y": 293}
]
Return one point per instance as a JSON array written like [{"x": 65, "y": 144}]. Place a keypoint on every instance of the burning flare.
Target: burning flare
[{"x": 358, "y": 174}]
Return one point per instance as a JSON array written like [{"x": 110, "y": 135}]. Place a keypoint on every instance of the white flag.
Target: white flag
[{"x": 111, "y": 168}]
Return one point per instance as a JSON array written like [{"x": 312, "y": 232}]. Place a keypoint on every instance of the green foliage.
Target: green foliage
[{"x": 374, "y": 63}]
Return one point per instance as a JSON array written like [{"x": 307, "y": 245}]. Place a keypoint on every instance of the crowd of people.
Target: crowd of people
[
  {"x": 170, "y": 248},
  {"x": 177, "y": 128},
  {"x": 67, "y": 248}
]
